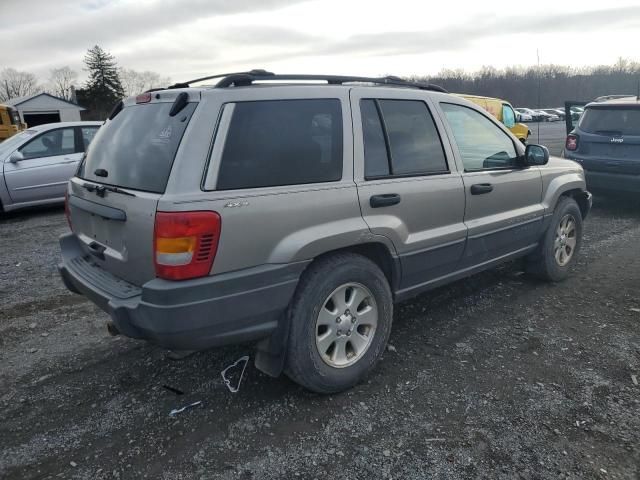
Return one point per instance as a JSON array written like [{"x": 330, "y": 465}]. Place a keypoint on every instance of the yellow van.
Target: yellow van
[
  {"x": 10, "y": 122},
  {"x": 503, "y": 111}
]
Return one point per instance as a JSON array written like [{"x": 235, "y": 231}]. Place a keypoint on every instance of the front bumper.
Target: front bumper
[{"x": 196, "y": 314}]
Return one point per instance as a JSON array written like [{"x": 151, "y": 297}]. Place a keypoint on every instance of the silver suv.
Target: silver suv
[{"x": 296, "y": 214}]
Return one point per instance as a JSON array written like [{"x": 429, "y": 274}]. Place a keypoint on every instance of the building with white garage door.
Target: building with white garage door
[{"x": 42, "y": 108}]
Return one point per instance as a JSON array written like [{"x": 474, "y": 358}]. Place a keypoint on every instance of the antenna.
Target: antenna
[{"x": 539, "y": 76}]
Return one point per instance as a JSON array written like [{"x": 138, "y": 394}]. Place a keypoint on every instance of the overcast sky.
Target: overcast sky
[{"x": 189, "y": 38}]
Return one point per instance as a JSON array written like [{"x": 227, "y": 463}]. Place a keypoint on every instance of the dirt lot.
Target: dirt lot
[{"x": 496, "y": 376}]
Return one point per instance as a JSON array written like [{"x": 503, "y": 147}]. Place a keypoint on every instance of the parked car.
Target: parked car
[
  {"x": 524, "y": 117},
  {"x": 606, "y": 142},
  {"x": 559, "y": 112},
  {"x": 503, "y": 111},
  {"x": 551, "y": 115},
  {"x": 297, "y": 214},
  {"x": 38, "y": 163},
  {"x": 535, "y": 115},
  {"x": 10, "y": 122}
]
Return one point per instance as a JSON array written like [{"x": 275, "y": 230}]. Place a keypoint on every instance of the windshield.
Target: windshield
[
  {"x": 137, "y": 147},
  {"x": 15, "y": 141},
  {"x": 611, "y": 121}
]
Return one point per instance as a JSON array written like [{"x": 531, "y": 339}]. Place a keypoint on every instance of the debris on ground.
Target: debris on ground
[
  {"x": 176, "y": 411},
  {"x": 172, "y": 389},
  {"x": 227, "y": 381},
  {"x": 634, "y": 379}
]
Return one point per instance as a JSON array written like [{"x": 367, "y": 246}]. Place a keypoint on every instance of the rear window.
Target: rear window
[
  {"x": 137, "y": 147},
  {"x": 611, "y": 121},
  {"x": 282, "y": 142}
]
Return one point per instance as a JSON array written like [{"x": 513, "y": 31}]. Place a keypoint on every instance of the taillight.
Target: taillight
[
  {"x": 185, "y": 244},
  {"x": 67, "y": 211},
  {"x": 143, "y": 98},
  {"x": 572, "y": 142}
]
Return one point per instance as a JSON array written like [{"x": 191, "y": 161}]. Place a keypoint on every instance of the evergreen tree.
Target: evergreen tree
[{"x": 103, "y": 88}]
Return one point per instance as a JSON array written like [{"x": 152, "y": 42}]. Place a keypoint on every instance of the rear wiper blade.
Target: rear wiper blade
[{"x": 100, "y": 189}]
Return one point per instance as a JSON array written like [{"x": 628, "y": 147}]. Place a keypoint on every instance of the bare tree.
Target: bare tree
[
  {"x": 553, "y": 83},
  {"x": 135, "y": 82},
  {"x": 61, "y": 82},
  {"x": 17, "y": 84}
]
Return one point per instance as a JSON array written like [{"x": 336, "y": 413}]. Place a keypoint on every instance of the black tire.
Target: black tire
[
  {"x": 543, "y": 263},
  {"x": 304, "y": 362}
]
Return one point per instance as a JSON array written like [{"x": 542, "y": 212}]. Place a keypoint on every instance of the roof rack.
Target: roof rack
[
  {"x": 247, "y": 78},
  {"x": 219, "y": 75}
]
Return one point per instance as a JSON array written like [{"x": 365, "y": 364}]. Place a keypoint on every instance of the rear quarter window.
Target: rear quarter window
[
  {"x": 282, "y": 142},
  {"x": 137, "y": 147}
]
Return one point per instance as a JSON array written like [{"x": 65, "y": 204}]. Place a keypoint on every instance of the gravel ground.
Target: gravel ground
[{"x": 497, "y": 376}]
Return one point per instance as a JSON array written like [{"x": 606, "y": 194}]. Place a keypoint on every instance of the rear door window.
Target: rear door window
[
  {"x": 137, "y": 147},
  {"x": 282, "y": 142},
  {"x": 87, "y": 135},
  {"x": 611, "y": 121},
  {"x": 405, "y": 131}
]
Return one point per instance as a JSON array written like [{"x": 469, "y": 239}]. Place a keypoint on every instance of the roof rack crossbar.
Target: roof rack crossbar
[{"x": 247, "y": 78}]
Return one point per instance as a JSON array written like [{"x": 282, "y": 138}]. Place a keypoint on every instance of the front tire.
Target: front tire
[
  {"x": 341, "y": 318},
  {"x": 560, "y": 245}
]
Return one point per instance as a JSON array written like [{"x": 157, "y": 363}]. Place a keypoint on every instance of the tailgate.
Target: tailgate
[
  {"x": 114, "y": 196},
  {"x": 610, "y": 153},
  {"x": 115, "y": 229}
]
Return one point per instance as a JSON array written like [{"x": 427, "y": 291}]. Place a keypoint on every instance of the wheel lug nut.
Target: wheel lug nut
[
  {"x": 339, "y": 333},
  {"x": 348, "y": 333},
  {"x": 338, "y": 320},
  {"x": 353, "y": 319}
]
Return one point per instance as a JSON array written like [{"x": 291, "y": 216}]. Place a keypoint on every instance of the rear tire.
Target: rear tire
[
  {"x": 341, "y": 318},
  {"x": 560, "y": 245}
]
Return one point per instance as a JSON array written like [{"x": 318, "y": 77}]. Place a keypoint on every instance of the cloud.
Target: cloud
[
  {"x": 62, "y": 29},
  {"x": 191, "y": 38}
]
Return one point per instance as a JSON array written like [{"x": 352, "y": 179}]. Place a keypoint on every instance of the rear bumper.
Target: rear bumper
[
  {"x": 223, "y": 309},
  {"x": 616, "y": 182}
]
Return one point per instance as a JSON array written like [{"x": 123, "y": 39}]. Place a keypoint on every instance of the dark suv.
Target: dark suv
[{"x": 606, "y": 142}]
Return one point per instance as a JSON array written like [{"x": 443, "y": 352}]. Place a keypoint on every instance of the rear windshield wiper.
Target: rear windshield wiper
[{"x": 100, "y": 189}]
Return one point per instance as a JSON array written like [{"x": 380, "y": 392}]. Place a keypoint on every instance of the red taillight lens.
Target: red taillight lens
[
  {"x": 571, "y": 143},
  {"x": 185, "y": 244},
  {"x": 67, "y": 211}
]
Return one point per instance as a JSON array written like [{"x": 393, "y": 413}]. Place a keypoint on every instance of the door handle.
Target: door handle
[
  {"x": 384, "y": 200},
  {"x": 480, "y": 188}
]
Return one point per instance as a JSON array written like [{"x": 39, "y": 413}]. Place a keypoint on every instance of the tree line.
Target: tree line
[
  {"x": 537, "y": 86},
  {"x": 545, "y": 86},
  {"x": 106, "y": 83}
]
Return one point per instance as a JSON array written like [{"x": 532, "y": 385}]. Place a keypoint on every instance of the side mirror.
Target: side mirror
[
  {"x": 16, "y": 157},
  {"x": 536, "y": 155}
]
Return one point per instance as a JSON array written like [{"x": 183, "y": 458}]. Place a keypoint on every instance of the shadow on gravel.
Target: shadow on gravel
[
  {"x": 613, "y": 205},
  {"x": 30, "y": 213}
]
